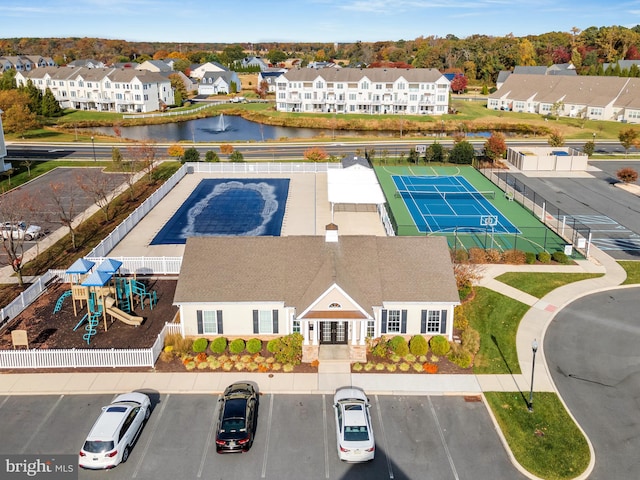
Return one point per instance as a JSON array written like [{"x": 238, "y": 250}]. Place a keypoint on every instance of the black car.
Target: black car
[{"x": 237, "y": 418}]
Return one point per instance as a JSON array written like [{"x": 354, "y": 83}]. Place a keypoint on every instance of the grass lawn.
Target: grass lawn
[
  {"x": 546, "y": 441},
  {"x": 496, "y": 317},
  {"x": 539, "y": 284},
  {"x": 632, "y": 268}
]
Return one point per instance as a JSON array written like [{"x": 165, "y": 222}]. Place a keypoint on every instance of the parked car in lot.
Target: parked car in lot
[
  {"x": 20, "y": 231},
  {"x": 237, "y": 418},
  {"x": 354, "y": 434},
  {"x": 116, "y": 430}
]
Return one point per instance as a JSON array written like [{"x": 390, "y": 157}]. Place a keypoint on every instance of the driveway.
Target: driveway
[{"x": 592, "y": 352}]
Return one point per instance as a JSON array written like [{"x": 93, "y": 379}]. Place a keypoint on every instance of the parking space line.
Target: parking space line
[
  {"x": 384, "y": 438},
  {"x": 326, "y": 437},
  {"x": 153, "y": 431},
  {"x": 46, "y": 417},
  {"x": 4, "y": 401},
  {"x": 207, "y": 444},
  {"x": 266, "y": 442},
  {"x": 442, "y": 439}
]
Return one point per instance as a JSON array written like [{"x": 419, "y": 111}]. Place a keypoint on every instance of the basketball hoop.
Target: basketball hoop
[{"x": 488, "y": 220}]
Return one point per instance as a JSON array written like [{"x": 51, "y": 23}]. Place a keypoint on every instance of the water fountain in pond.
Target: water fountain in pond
[{"x": 221, "y": 124}]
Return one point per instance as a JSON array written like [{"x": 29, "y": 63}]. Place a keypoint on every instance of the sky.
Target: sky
[{"x": 326, "y": 21}]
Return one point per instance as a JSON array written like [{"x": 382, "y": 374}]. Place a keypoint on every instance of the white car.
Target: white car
[
  {"x": 353, "y": 425},
  {"x": 20, "y": 231},
  {"x": 116, "y": 430}
]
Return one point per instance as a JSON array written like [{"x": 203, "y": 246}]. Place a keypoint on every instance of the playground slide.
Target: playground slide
[{"x": 120, "y": 315}]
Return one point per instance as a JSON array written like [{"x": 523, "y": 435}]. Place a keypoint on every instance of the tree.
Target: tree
[
  {"x": 276, "y": 56},
  {"x": 176, "y": 151},
  {"x": 178, "y": 87},
  {"x": 627, "y": 175},
  {"x": 50, "y": 106},
  {"x": 435, "y": 153},
  {"x": 64, "y": 196},
  {"x": 27, "y": 163},
  {"x": 557, "y": 108},
  {"x": 8, "y": 79},
  {"x": 315, "y": 154},
  {"x": 495, "y": 147},
  {"x": 211, "y": 156},
  {"x": 556, "y": 139},
  {"x": 116, "y": 156},
  {"x": 462, "y": 153},
  {"x": 262, "y": 89},
  {"x": 589, "y": 148},
  {"x": 144, "y": 153},
  {"x": 102, "y": 189},
  {"x": 459, "y": 83},
  {"x": 628, "y": 138},
  {"x": 19, "y": 119},
  {"x": 191, "y": 155},
  {"x": 236, "y": 157},
  {"x": 226, "y": 149}
]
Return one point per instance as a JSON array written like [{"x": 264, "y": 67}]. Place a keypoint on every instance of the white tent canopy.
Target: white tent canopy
[{"x": 356, "y": 184}]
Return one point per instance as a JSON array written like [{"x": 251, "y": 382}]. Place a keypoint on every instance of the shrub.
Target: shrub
[
  {"x": 460, "y": 256},
  {"x": 470, "y": 339},
  {"x": 166, "y": 355},
  {"x": 460, "y": 357},
  {"x": 171, "y": 339},
  {"x": 274, "y": 345},
  {"x": 417, "y": 367},
  {"x": 288, "y": 350},
  {"x": 380, "y": 366},
  {"x": 404, "y": 367},
  {"x": 369, "y": 366},
  {"x": 182, "y": 346},
  {"x": 391, "y": 367},
  {"x": 237, "y": 346},
  {"x": 439, "y": 345},
  {"x": 530, "y": 258},
  {"x": 627, "y": 175},
  {"x": 200, "y": 345},
  {"x": 460, "y": 320},
  {"x": 560, "y": 257},
  {"x": 190, "y": 365},
  {"x": 430, "y": 367},
  {"x": 477, "y": 255},
  {"x": 288, "y": 367},
  {"x": 380, "y": 349},
  {"x": 254, "y": 346},
  {"x": 410, "y": 357},
  {"x": 418, "y": 345},
  {"x": 399, "y": 346},
  {"x": 544, "y": 257},
  {"x": 218, "y": 345},
  {"x": 493, "y": 256},
  {"x": 514, "y": 257}
]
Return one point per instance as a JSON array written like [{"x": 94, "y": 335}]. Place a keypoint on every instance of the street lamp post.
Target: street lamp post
[
  {"x": 534, "y": 349},
  {"x": 93, "y": 146}
]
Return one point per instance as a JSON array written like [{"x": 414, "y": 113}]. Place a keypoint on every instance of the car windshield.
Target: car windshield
[
  {"x": 232, "y": 425},
  {"x": 97, "y": 446},
  {"x": 359, "y": 433}
]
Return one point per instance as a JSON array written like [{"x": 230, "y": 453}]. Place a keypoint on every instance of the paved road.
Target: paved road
[
  {"x": 434, "y": 437},
  {"x": 592, "y": 353}
]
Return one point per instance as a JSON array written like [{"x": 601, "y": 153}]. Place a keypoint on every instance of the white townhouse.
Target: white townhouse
[
  {"x": 371, "y": 90},
  {"x": 123, "y": 90},
  {"x": 198, "y": 71},
  {"x": 589, "y": 97}
]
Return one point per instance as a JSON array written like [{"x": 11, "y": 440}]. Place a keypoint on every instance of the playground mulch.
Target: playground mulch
[{"x": 46, "y": 329}]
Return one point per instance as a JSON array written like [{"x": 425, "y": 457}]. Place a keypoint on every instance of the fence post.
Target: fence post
[{"x": 113, "y": 357}]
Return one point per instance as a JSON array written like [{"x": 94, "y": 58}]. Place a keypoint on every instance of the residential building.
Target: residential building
[
  {"x": 255, "y": 62},
  {"x": 372, "y": 90},
  {"x": 270, "y": 76},
  {"x": 556, "y": 69},
  {"x": 214, "y": 83},
  {"x": 88, "y": 63},
  {"x": 124, "y": 90},
  {"x": 154, "y": 66},
  {"x": 331, "y": 290},
  {"x": 588, "y": 97},
  {"x": 198, "y": 71}
]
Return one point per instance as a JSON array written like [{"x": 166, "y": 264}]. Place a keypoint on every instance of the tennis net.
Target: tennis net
[{"x": 486, "y": 195}]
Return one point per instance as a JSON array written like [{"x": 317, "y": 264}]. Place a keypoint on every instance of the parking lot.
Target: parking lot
[{"x": 435, "y": 437}]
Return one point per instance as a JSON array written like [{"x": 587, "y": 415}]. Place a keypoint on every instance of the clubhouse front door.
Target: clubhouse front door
[{"x": 333, "y": 333}]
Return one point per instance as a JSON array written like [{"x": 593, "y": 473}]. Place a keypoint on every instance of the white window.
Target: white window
[
  {"x": 365, "y": 85},
  {"x": 209, "y": 322},
  {"x": 265, "y": 321},
  {"x": 433, "y": 321},
  {"x": 393, "y": 321},
  {"x": 371, "y": 328},
  {"x": 296, "y": 326}
]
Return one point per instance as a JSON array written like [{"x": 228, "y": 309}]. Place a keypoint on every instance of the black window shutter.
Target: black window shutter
[
  {"x": 423, "y": 322},
  {"x": 384, "y": 321},
  {"x": 199, "y": 320},
  {"x": 403, "y": 322},
  {"x": 219, "y": 318},
  {"x": 275, "y": 321},
  {"x": 255, "y": 322},
  {"x": 443, "y": 322}
]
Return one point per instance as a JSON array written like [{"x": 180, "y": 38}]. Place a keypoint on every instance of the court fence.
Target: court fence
[{"x": 563, "y": 224}]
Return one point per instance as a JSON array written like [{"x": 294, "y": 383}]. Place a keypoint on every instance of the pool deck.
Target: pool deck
[{"x": 308, "y": 211}]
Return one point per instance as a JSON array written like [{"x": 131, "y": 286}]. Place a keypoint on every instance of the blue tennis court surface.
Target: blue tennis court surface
[
  {"x": 228, "y": 207},
  {"x": 448, "y": 204}
]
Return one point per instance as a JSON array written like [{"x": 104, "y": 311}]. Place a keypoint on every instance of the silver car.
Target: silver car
[
  {"x": 354, "y": 434},
  {"x": 21, "y": 231}
]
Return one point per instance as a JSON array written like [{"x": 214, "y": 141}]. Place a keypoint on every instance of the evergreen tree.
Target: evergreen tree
[
  {"x": 35, "y": 97},
  {"x": 462, "y": 153},
  {"x": 50, "y": 106}
]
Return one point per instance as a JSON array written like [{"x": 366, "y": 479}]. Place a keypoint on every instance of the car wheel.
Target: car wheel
[
  {"x": 28, "y": 238},
  {"x": 125, "y": 454},
  {"x": 146, "y": 414}
]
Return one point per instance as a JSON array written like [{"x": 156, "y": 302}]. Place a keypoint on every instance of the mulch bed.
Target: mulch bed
[{"x": 444, "y": 367}]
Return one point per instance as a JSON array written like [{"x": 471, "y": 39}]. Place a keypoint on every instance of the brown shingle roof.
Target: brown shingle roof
[
  {"x": 355, "y": 74},
  {"x": 298, "y": 269}
]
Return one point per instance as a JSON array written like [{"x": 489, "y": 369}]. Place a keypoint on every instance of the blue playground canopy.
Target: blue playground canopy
[
  {"x": 97, "y": 279},
  {"x": 109, "y": 265},
  {"x": 80, "y": 266}
]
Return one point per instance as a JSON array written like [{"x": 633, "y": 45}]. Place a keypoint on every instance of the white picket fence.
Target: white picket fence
[{"x": 89, "y": 357}]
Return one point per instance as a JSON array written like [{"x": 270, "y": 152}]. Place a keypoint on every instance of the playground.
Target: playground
[{"x": 54, "y": 325}]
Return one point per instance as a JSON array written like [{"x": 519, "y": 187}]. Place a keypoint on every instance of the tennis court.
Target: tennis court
[
  {"x": 225, "y": 207},
  {"x": 449, "y": 203}
]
